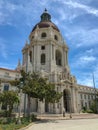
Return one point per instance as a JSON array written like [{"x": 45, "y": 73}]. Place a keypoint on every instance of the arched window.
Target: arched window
[
  {"x": 43, "y": 59},
  {"x": 58, "y": 58},
  {"x": 30, "y": 54},
  {"x": 43, "y": 35},
  {"x": 55, "y": 37}
]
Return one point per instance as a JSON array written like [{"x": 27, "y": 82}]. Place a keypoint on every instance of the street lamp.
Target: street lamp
[{"x": 95, "y": 92}]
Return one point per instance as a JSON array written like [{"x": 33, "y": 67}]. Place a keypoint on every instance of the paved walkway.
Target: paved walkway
[
  {"x": 76, "y": 123},
  {"x": 82, "y": 124}
]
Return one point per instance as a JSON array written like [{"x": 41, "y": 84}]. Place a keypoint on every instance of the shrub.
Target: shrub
[
  {"x": 33, "y": 117},
  {"x": 25, "y": 119},
  {"x": 89, "y": 111},
  {"x": 7, "y": 120}
]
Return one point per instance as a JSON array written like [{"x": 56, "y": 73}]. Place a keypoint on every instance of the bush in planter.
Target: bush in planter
[
  {"x": 25, "y": 119},
  {"x": 89, "y": 111},
  {"x": 33, "y": 117}
]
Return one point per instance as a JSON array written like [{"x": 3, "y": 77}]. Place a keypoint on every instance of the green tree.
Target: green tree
[
  {"x": 9, "y": 98},
  {"x": 94, "y": 105},
  {"x": 36, "y": 86}
]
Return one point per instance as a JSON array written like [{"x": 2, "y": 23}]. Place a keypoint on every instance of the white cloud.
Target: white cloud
[
  {"x": 8, "y": 66},
  {"x": 88, "y": 37},
  {"x": 86, "y": 81},
  {"x": 82, "y": 36},
  {"x": 86, "y": 59},
  {"x": 89, "y": 51},
  {"x": 86, "y": 78},
  {"x": 86, "y": 8},
  {"x": 83, "y": 62}
]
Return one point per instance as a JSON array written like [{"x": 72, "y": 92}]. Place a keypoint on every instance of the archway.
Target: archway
[
  {"x": 58, "y": 57},
  {"x": 66, "y": 100}
]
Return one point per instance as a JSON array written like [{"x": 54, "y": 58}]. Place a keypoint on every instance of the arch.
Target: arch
[
  {"x": 67, "y": 100},
  {"x": 58, "y": 57},
  {"x": 43, "y": 59},
  {"x": 43, "y": 35}
]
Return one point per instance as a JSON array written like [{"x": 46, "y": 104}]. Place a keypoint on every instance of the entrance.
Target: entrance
[{"x": 66, "y": 100}]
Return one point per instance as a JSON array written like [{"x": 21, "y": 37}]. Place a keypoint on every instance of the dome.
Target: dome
[
  {"x": 45, "y": 22},
  {"x": 45, "y": 25}
]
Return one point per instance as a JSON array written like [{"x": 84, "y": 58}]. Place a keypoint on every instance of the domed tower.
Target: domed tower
[
  {"x": 47, "y": 50},
  {"x": 47, "y": 53}
]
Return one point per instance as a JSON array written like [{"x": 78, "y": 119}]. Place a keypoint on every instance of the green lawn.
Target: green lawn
[{"x": 12, "y": 126}]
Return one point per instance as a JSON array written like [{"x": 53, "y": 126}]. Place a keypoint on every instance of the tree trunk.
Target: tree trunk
[{"x": 29, "y": 106}]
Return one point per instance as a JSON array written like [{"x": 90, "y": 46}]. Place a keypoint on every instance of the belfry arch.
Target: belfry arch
[
  {"x": 58, "y": 57},
  {"x": 67, "y": 100}
]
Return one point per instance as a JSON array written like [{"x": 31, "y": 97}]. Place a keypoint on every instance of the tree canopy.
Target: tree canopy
[
  {"x": 8, "y": 99},
  {"x": 37, "y": 87}
]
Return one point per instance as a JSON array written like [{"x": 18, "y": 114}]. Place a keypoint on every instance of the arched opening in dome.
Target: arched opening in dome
[{"x": 58, "y": 57}]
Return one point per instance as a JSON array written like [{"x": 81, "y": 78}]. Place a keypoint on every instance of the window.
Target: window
[
  {"x": 86, "y": 105},
  {"x": 55, "y": 37},
  {"x": 30, "y": 54},
  {"x": 42, "y": 47},
  {"x": 88, "y": 96},
  {"x": 84, "y": 96},
  {"x": 43, "y": 58},
  {"x": 82, "y": 104},
  {"x": 6, "y": 87},
  {"x": 32, "y": 37},
  {"x": 58, "y": 57},
  {"x": 17, "y": 75},
  {"x": 6, "y": 73},
  {"x": 81, "y": 96},
  {"x": 89, "y": 104},
  {"x": 43, "y": 35},
  {"x": 91, "y": 96}
]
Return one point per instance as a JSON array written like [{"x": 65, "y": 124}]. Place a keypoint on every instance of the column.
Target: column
[{"x": 73, "y": 101}]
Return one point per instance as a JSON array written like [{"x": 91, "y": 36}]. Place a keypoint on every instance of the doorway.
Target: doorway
[{"x": 66, "y": 100}]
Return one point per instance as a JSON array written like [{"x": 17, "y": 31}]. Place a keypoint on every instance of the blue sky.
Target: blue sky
[{"x": 76, "y": 19}]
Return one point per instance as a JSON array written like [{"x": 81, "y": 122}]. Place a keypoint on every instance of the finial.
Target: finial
[
  {"x": 45, "y": 10},
  {"x": 45, "y": 16},
  {"x": 18, "y": 68}
]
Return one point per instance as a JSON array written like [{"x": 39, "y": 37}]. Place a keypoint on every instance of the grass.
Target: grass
[
  {"x": 9, "y": 123},
  {"x": 12, "y": 126}
]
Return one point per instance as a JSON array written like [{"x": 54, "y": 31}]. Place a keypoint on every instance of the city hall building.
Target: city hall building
[{"x": 47, "y": 53}]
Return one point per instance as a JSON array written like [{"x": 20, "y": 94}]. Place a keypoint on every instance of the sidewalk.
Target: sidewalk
[
  {"x": 67, "y": 116},
  {"x": 54, "y": 122}
]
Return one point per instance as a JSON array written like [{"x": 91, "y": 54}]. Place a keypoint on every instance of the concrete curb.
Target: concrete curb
[{"x": 25, "y": 128}]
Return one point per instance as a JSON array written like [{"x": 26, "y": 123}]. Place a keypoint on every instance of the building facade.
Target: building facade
[{"x": 47, "y": 53}]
